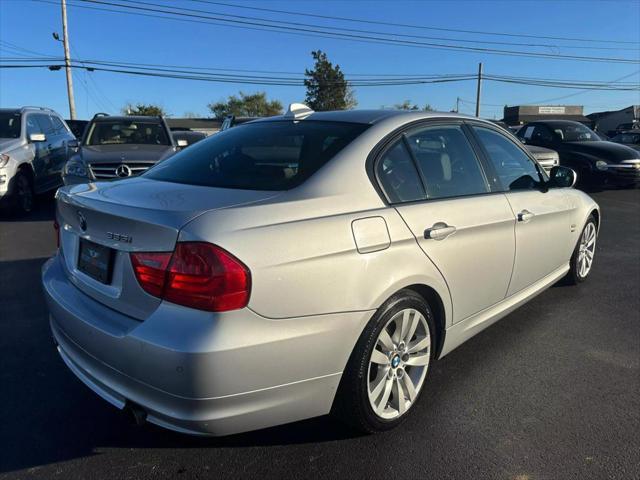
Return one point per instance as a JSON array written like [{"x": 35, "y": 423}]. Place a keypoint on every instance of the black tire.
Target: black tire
[
  {"x": 23, "y": 198},
  {"x": 574, "y": 276},
  {"x": 352, "y": 405}
]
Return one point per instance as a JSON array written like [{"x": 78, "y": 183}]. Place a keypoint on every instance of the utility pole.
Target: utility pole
[
  {"x": 479, "y": 89},
  {"x": 67, "y": 61},
  {"x": 457, "y": 104}
]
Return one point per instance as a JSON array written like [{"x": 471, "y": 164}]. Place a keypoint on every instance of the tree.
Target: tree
[
  {"x": 327, "y": 88},
  {"x": 143, "y": 109},
  {"x": 246, "y": 105},
  {"x": 407, "y": 105}
]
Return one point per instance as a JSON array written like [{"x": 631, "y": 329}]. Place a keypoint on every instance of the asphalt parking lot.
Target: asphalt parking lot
[{"x": 550, "y": 392}]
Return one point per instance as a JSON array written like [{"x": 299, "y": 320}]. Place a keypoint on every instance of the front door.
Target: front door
[
  {"x": 436, "y": 183},
  {"x": 543, "y": 217}
]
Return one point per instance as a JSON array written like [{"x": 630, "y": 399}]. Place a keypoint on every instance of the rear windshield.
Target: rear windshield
[
  {"x": 276, "y": 155},
  {"x": 9, "y": 125},
  {"x": 127, "y": 132}
]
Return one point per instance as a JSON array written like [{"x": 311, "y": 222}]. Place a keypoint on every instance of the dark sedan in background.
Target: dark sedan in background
[
  {"x": 119, "y": 147},
  {"x": 630, "y": 139},
  {"x": 597, "y": 162}
]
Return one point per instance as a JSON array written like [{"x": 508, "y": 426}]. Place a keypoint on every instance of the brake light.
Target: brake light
[
  {"x": 150, "y": 269},
  {"x": 196, "y": 274}
]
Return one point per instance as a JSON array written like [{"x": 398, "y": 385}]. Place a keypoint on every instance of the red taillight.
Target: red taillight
[
  {"x": 151, "y": 270},
  {"x": 56, "y": 228},
  {"x": 198, "y": 275}
]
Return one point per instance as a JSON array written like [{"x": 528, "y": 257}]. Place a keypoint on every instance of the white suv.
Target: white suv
[{"x": 33, "y": 150}]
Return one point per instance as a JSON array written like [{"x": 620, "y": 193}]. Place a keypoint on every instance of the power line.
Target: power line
[
  {"x": 356, "y": 79},
  {"x": 395, "y": 34},
  {"x": 346, "y": 36},
  {"x": 423, "y": 27},
  {"x": 579, "y": 93},
  {"x": 92, "y": 65}
]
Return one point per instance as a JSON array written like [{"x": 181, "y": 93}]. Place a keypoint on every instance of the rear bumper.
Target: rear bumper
[{"x": 202, "y": 373}]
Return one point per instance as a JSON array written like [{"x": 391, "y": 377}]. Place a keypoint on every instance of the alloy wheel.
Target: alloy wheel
[
  {"x": 399, "y": 363},
  {"x": 586, "y": 250}
]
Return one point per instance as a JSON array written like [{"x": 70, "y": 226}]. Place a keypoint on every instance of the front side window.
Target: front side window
[
  {"x": 447, "y": 162},
  {"x": 128, "y": 132},
  {"x": 397, "y": 174},
  {"x": 33, "y": 127},
  {"x": 274, "y": 155},
  {"x": 46, "y": 125},
  {"x": 515, "y": 170},
  {"x": 58, "y": 125},
  {"x": 10, "y": 125}
]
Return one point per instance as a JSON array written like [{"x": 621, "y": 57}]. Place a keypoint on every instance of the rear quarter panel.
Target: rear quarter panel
[{"x": 304, "y": 260}]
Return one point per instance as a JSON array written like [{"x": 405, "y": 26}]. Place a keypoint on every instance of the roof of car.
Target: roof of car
[
  {"x": 126, "y": 118},
  {"x": 24, "y": 109},
  {"x": 367, "y": 116},
  {"x": 557, "y": 122}
]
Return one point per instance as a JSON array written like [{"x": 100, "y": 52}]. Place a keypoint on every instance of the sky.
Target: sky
[{"x": 100, "y": 35}]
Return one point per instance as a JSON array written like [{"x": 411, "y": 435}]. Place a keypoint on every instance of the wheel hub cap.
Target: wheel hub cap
[{"x": 395, "y": 361}]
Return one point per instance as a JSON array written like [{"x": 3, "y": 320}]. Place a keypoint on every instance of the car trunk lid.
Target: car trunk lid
[{"x": 128, "y": 216}]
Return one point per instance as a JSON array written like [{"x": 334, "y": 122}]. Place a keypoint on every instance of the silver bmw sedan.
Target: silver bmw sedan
[{"x": 306, "y": 264}]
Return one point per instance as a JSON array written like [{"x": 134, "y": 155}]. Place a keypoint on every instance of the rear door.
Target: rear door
[
  {"x": 60, "y": 153},
  {"x": 51, "y": 149},
  {"x": 543, "y": 216},
  {"x": 434, "y": 179}
]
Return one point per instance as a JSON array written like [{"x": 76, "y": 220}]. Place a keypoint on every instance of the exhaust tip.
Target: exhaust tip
[{"x": 136, "y": 413}]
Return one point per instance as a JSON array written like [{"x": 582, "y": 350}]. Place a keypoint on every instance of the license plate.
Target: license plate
[{"x": 95, "y": 260}]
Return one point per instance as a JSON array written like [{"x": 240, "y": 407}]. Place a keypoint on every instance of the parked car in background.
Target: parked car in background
[
  {"x": 184, "y": 138},
  {"x": 623, "y": 127},
  {"x": 545, "y": 157},
  {"x": 243, "y": 283},
  {"x": 119, "y": 147},
  {"x": 596, "y": 162},
  {"x": 630, "y": 138},
  {"x": 77, "y": 127},
  {"x": 34, "y": 146}
]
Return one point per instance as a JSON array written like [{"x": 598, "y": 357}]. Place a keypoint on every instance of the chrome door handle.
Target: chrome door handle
[
  {"x": 439, "y": 231},
  {"x": 525, "y": 216}
]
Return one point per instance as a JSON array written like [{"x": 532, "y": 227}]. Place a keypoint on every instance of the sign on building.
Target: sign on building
[{"x": 551, "y": 110}]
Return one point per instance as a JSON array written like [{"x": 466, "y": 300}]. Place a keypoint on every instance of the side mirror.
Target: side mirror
[
  {"x": 37, "y": 137},
  {"x": 182, "y": 143},
  {"x": 562, "y": 177},
  {"x": 73, "y": 144}
]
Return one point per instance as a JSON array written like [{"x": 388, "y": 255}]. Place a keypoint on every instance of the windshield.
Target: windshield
[
  {"x": 275, "y": 155},
  {"x": 127, "y": 132},
  {"x": 10, "y": 125},
  {"x": 574, "y": 133}
]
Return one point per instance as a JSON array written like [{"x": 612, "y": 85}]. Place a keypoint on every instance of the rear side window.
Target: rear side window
[
  {"x": 397, "y": 174},
  {"x": 515, "y": 169},
  {"x": 276, "y": 155},
  {"x": 447, "y": 162},
  {"x": 58, "y": 125}
]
